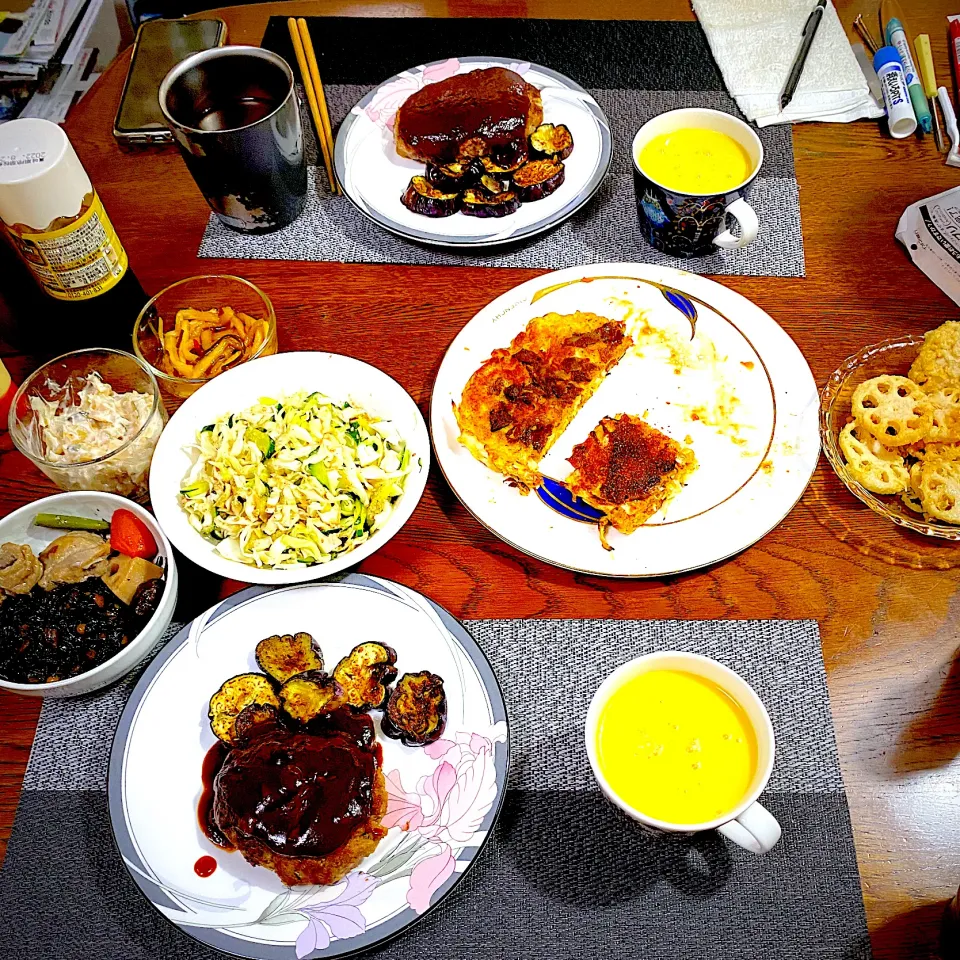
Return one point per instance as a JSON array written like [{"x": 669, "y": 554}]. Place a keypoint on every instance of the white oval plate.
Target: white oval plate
[
  {"x": 340, "y": 378},
  {"x": 741, "y": 391},
  {"x": 163, "y": 735},
  {"x": 374, "y": 176}
]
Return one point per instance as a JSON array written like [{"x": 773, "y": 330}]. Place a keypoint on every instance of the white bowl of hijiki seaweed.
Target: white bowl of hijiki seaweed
[{"x": 75, "y": 637}]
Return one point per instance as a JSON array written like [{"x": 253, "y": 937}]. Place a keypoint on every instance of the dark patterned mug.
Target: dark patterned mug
[{"x": 689, "y": 224}]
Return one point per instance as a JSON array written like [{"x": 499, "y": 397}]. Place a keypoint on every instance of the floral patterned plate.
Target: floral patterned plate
[
  {"x": 374, "y": 176},
  {"x": 443, "y": 799}
]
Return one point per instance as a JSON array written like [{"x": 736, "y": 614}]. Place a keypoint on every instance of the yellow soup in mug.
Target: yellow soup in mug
[
  {"x": 676, "y": 747},
  {"x": 695, "y": 160}
]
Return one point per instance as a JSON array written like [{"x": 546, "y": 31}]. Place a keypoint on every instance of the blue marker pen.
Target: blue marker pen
[{"x": 896, "y": 37}]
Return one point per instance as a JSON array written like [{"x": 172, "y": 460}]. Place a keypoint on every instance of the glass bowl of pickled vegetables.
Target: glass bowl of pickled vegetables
[{"x": 198, "y": 328}]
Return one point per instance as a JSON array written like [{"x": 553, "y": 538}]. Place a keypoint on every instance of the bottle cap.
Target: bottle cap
[
  {"x": 884, "y": 56},
  {"x": 41, "y": 177}
]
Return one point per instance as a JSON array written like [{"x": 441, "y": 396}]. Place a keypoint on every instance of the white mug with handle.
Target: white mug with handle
[{"x": 748, "y": 824}]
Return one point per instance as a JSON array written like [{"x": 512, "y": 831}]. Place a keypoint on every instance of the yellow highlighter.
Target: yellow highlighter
[{"x": 929, "y": 78}]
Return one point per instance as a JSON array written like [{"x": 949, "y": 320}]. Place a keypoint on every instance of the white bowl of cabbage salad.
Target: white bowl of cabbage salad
[{"x": 290, "y": 468}]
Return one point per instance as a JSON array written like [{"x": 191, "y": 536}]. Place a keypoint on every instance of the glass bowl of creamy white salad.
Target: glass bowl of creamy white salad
[{"x": 90, "y": 420}]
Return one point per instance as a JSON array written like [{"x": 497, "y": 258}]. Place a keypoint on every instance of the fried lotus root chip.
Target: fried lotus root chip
[
  {"x": 939, "y": 489},
  {"x": 308, "y": 695},
  {"x": 945, "y": 414},
  {"x": 365, "y": 673},
  {"x": 236, "y": 694},
  {"x": 251, "y": 719},
  {"x": 872, "y": 465},
  {"x": 285, "y": 657},
  {"x": 416, "y": 712},
  {"x": 893, "y": 409},
  {"x": 939, "y": 357}
]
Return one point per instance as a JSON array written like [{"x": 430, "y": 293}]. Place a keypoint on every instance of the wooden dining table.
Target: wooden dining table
[{"x": 887, "y": 601}]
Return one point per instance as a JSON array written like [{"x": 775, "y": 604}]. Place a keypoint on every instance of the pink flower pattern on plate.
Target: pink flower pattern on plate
[
  {"x": 382, "y": 109},
  {"x": 447, "y": 807}
]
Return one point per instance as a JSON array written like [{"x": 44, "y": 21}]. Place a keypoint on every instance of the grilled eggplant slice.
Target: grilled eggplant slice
[
  {"x": 251, "y": 720},
  {"x": 429, "y": 201},
  {"x": 235, "y": 694},
  {"x": 416, "y": 712},
  {"x": 499, "y": 169},
  {"x": 538, "y": 179},
  {"x": 284, "y": 657},
  {"x": 551, "y": 141},
  {"x": 365, "y": 673},
  {"x": 453, "y": 177},
  {"x": 477, "y": 202},
  {"x": 308, "y": 695}
]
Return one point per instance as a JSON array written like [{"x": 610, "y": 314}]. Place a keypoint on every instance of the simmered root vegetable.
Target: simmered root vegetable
[
  {"x": 233, "y": 696},
  {"x": 283, "y": 657},
  {"x": 365, "y": 673},
  {"x": 416, "y": 712},
  {"x": 310, "y": 694}
]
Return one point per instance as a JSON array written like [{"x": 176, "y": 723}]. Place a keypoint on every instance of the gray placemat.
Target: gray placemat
[
  {"x": 606, "y": 229},
  {"x": 563, "y": 877}
]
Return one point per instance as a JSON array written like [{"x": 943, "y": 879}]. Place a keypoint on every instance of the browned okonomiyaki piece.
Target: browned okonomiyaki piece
[{"x": 628, "y": 470}]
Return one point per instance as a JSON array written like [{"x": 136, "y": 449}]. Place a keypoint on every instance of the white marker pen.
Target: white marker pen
[{"x": 901, "y": 119}]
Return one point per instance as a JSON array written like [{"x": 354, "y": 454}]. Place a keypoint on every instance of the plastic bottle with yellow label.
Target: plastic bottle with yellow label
[{"x": 56, "y": 222}]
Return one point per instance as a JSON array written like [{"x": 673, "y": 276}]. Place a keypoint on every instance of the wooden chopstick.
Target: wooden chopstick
[
  {"x": 317, "y": 86},
  {"x": 310, "y": 74}
]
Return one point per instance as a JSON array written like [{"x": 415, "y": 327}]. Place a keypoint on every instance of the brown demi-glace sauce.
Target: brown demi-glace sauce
[
  {"x": 487, "y": 106},
  {"x": 300, "y": 791}
]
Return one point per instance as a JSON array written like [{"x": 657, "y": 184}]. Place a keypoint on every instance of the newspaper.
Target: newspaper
[{"x": 930, "y": 230}]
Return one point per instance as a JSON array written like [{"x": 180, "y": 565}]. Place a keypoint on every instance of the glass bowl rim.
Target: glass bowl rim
[
  {"x": 828, "y": 396},
  {"x": 13, "y": 420},
  {"x": 172, "y": 378}
]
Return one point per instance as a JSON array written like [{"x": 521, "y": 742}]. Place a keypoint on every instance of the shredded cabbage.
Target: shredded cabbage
[{"x": 296, "y": 480}]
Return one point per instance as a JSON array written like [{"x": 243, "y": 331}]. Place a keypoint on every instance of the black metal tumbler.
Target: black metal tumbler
[{"x": 234, "y": 114}]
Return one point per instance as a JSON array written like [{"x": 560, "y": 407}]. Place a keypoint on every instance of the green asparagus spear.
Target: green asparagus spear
[{"x": 60, "y": 521}]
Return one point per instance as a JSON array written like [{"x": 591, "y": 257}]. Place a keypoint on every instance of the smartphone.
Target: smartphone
[{"x": 160, "y": 45}]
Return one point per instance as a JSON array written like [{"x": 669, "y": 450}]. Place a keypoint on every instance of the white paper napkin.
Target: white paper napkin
[{"x": 754, "y": 43}]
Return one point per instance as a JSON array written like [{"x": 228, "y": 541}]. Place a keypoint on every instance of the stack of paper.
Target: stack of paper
[{"x": 51, "y": 38}]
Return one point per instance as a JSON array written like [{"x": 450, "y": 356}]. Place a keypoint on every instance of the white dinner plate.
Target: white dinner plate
[
  {"x": 708, "y": 368},
  {"x": 374, "y": 176},
  {"x": 338, "y": 377},
  {"x": 457, "y": 783}
]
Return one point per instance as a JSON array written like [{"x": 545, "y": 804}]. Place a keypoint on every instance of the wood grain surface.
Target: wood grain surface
[{"x": 887, "y": 601}]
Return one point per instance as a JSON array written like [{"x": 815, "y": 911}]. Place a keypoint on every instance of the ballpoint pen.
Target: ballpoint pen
[{"x": 809, "y": 32}]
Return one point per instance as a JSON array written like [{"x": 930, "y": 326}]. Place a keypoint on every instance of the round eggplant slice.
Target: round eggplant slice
[
  {"x": 423, "y": 198},
  {"x": 284, "y": 657},
  {"x": 538, "y": 179},
  {"x": 479, "y": 203},
  {"x": 551, "y": 141},
  {"x": 308, "y": 695},
  {"x": 493, "y": 185},
  {"x": 365, "y": 673},
  {"x": 496, "y": 169},
  {"x": 416, "y": 712},
  {"x": 454, "y": 177},
  {"x": 233, "y": 696}
]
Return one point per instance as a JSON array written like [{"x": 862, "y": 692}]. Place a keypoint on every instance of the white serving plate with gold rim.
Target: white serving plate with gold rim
[{"x": 709, "y": 368}]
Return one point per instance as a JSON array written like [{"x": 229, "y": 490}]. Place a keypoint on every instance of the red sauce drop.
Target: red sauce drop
[{"x": 205, "y": 866}]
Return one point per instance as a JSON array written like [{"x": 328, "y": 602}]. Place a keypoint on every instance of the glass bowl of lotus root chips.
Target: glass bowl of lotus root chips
[
  {"x": 890, "y": 424},
  {"x": 197, "y": 328}
]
